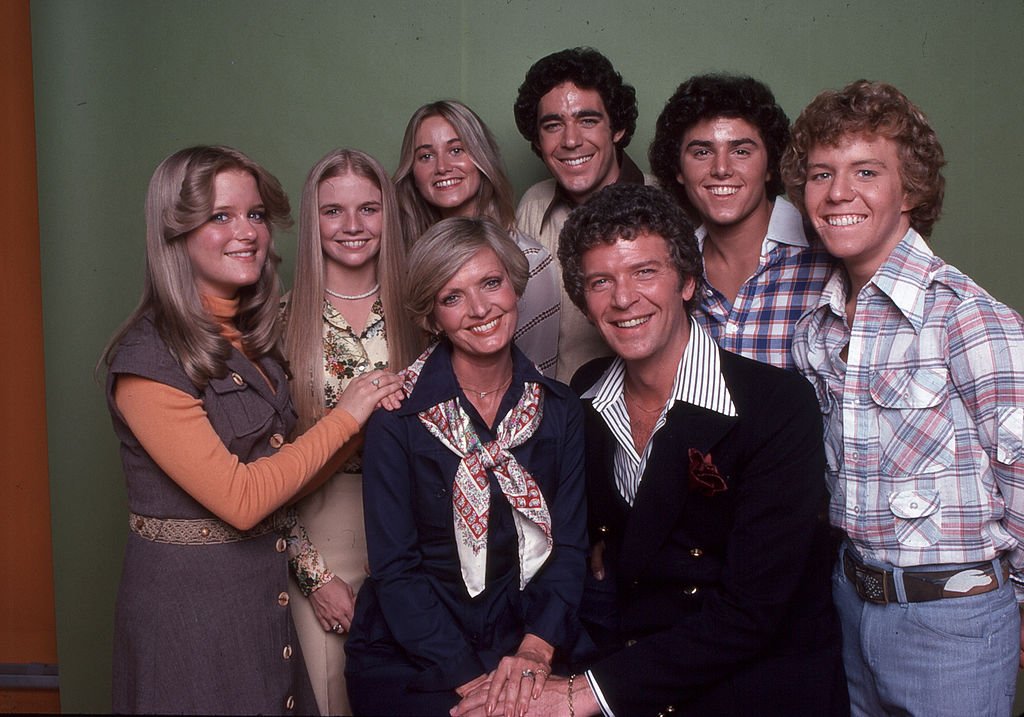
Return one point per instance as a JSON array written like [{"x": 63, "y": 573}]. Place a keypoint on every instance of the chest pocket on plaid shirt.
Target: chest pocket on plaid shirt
[
  {"x": 915, "y": 432},
  {"x": 918, "y": 517}
]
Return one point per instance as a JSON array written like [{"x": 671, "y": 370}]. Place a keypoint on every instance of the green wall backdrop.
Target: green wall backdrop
[{"x": 121, "y": 84}]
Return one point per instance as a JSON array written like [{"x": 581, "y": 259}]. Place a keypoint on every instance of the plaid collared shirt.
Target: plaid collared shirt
[
  {"x": 787, "y": 283},
  {"x": 924, "y": 422}
]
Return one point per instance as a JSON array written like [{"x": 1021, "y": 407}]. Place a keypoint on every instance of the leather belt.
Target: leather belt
[
  {"x": 198, "y": 531},
  {"x": 878, "y": 585}
]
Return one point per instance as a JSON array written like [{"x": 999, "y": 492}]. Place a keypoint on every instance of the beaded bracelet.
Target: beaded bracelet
[{"x": 568, "y": 694}]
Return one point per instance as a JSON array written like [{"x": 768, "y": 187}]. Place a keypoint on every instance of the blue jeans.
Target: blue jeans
[{"x": 954, "y": 657}]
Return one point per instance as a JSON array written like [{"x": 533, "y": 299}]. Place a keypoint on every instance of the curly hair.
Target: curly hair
[
  {"x": 872, "y": 108},
  {"x": 624, "y": 211},
  {"x": 704, "y": 97},
  {"x": 588, "y": 69}
]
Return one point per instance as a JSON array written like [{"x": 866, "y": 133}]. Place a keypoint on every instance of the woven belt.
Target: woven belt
[
  {"x": 199, "y": 531},
  {"x": 879, "y": 586}
]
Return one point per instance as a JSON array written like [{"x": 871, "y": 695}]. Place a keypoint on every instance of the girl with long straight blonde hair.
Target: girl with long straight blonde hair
[
  {"x": 450, "y": 166},
  {"x": 344, "y": 318}
]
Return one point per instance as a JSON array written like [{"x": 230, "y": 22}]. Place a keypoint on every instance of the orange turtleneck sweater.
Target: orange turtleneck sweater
[{"x": 173, "y": 428}]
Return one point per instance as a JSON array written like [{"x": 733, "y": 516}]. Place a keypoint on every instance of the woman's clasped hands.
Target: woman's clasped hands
[{"x": 515, "y": 682}]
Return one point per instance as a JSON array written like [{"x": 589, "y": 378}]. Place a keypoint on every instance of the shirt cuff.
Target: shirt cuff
[{"x": 601, "y": 702}]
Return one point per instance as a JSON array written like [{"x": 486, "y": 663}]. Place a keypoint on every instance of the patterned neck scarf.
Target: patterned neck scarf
[{"x": 471, "y": 495}]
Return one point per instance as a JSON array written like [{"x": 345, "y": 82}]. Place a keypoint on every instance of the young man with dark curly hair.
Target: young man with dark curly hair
[
  {"x": 920, "y": 375},
  {"x": 578, "y": 116},
  {"x": 717, "y": 147}
]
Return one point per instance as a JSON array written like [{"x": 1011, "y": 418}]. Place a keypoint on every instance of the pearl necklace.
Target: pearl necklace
[{"x": 354, "y": 297}]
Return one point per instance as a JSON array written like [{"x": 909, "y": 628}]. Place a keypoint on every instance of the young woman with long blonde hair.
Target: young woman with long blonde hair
[
  {"x": 344, "y": 318},
  {"x": 451, "y": 166}
]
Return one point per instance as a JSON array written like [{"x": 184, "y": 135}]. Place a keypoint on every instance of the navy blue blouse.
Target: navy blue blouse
[{"x": 414, "y": 615}]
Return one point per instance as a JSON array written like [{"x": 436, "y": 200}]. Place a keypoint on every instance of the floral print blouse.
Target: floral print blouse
[{"x": 346, "y": 355}]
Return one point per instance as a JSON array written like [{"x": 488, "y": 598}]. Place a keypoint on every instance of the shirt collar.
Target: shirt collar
[
  {"x": 334, "y": 317},
  {"x": 785, "y": 226},
  {"x": 904, "y": 277},
  {"x": 437, "y": 382},
  {"x": 629, "y": 173},
  {"x": 698, "y": 380}
]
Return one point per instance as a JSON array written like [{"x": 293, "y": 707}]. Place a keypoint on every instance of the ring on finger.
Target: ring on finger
[
  {"x": 338, "y": 629},
  {"x": 376, "y": 383},
  {"x": 528, "y": 674}
]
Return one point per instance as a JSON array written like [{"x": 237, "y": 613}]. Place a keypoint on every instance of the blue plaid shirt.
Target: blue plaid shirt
[{"x": 789, "y": 278}]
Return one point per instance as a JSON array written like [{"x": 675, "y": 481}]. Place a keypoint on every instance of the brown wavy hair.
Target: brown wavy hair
[{"x": 872, "y": 108}]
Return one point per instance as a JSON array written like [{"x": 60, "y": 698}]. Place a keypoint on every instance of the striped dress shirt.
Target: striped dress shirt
[{"x": 698, "y": 381}]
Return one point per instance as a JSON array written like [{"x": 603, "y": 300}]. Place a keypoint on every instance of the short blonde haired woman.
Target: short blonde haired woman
[{"x": 475, "y": 514}]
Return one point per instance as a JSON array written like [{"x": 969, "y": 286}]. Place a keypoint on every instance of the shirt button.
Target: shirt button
[
  {"x": 287, "y": 653},
  {"x": 731, "y": 328},
  {"x": 289, "y": 704},
  {"x": 282, "y": 599},
  {"x": 696, "y": 552},
  {"x": 237, "y": 378},
  {"x": 603, "y": 530},
  {"x": 282, "y": 545},
  {"x": 276, "y": 441},
  {"x": 690, "y": 590}
]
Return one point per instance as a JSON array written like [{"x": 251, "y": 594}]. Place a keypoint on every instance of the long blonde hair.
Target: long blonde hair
[
  {"x": 495, "y": 198},
  {"x": 303, "y": 341},
  {"x": 179, "y": 200}
]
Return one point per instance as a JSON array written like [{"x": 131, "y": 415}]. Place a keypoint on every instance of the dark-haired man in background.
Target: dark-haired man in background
[
  {"x": 578, "y": 116},
  {"x": 717, "y": 148}
]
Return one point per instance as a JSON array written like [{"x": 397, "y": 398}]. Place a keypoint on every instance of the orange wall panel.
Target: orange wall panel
[{"x": 27, "y": 627}]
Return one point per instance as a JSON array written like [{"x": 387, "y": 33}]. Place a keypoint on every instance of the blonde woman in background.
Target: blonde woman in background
[
  {"x": 451, "y": 166},
  {"x": 344, "y": 319}
]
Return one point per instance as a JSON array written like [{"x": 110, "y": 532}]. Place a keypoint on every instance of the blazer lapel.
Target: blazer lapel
[{"x": 663, "y": 489}]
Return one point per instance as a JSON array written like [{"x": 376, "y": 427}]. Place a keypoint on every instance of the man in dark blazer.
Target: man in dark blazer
[{"x": 705, "y": 490}]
